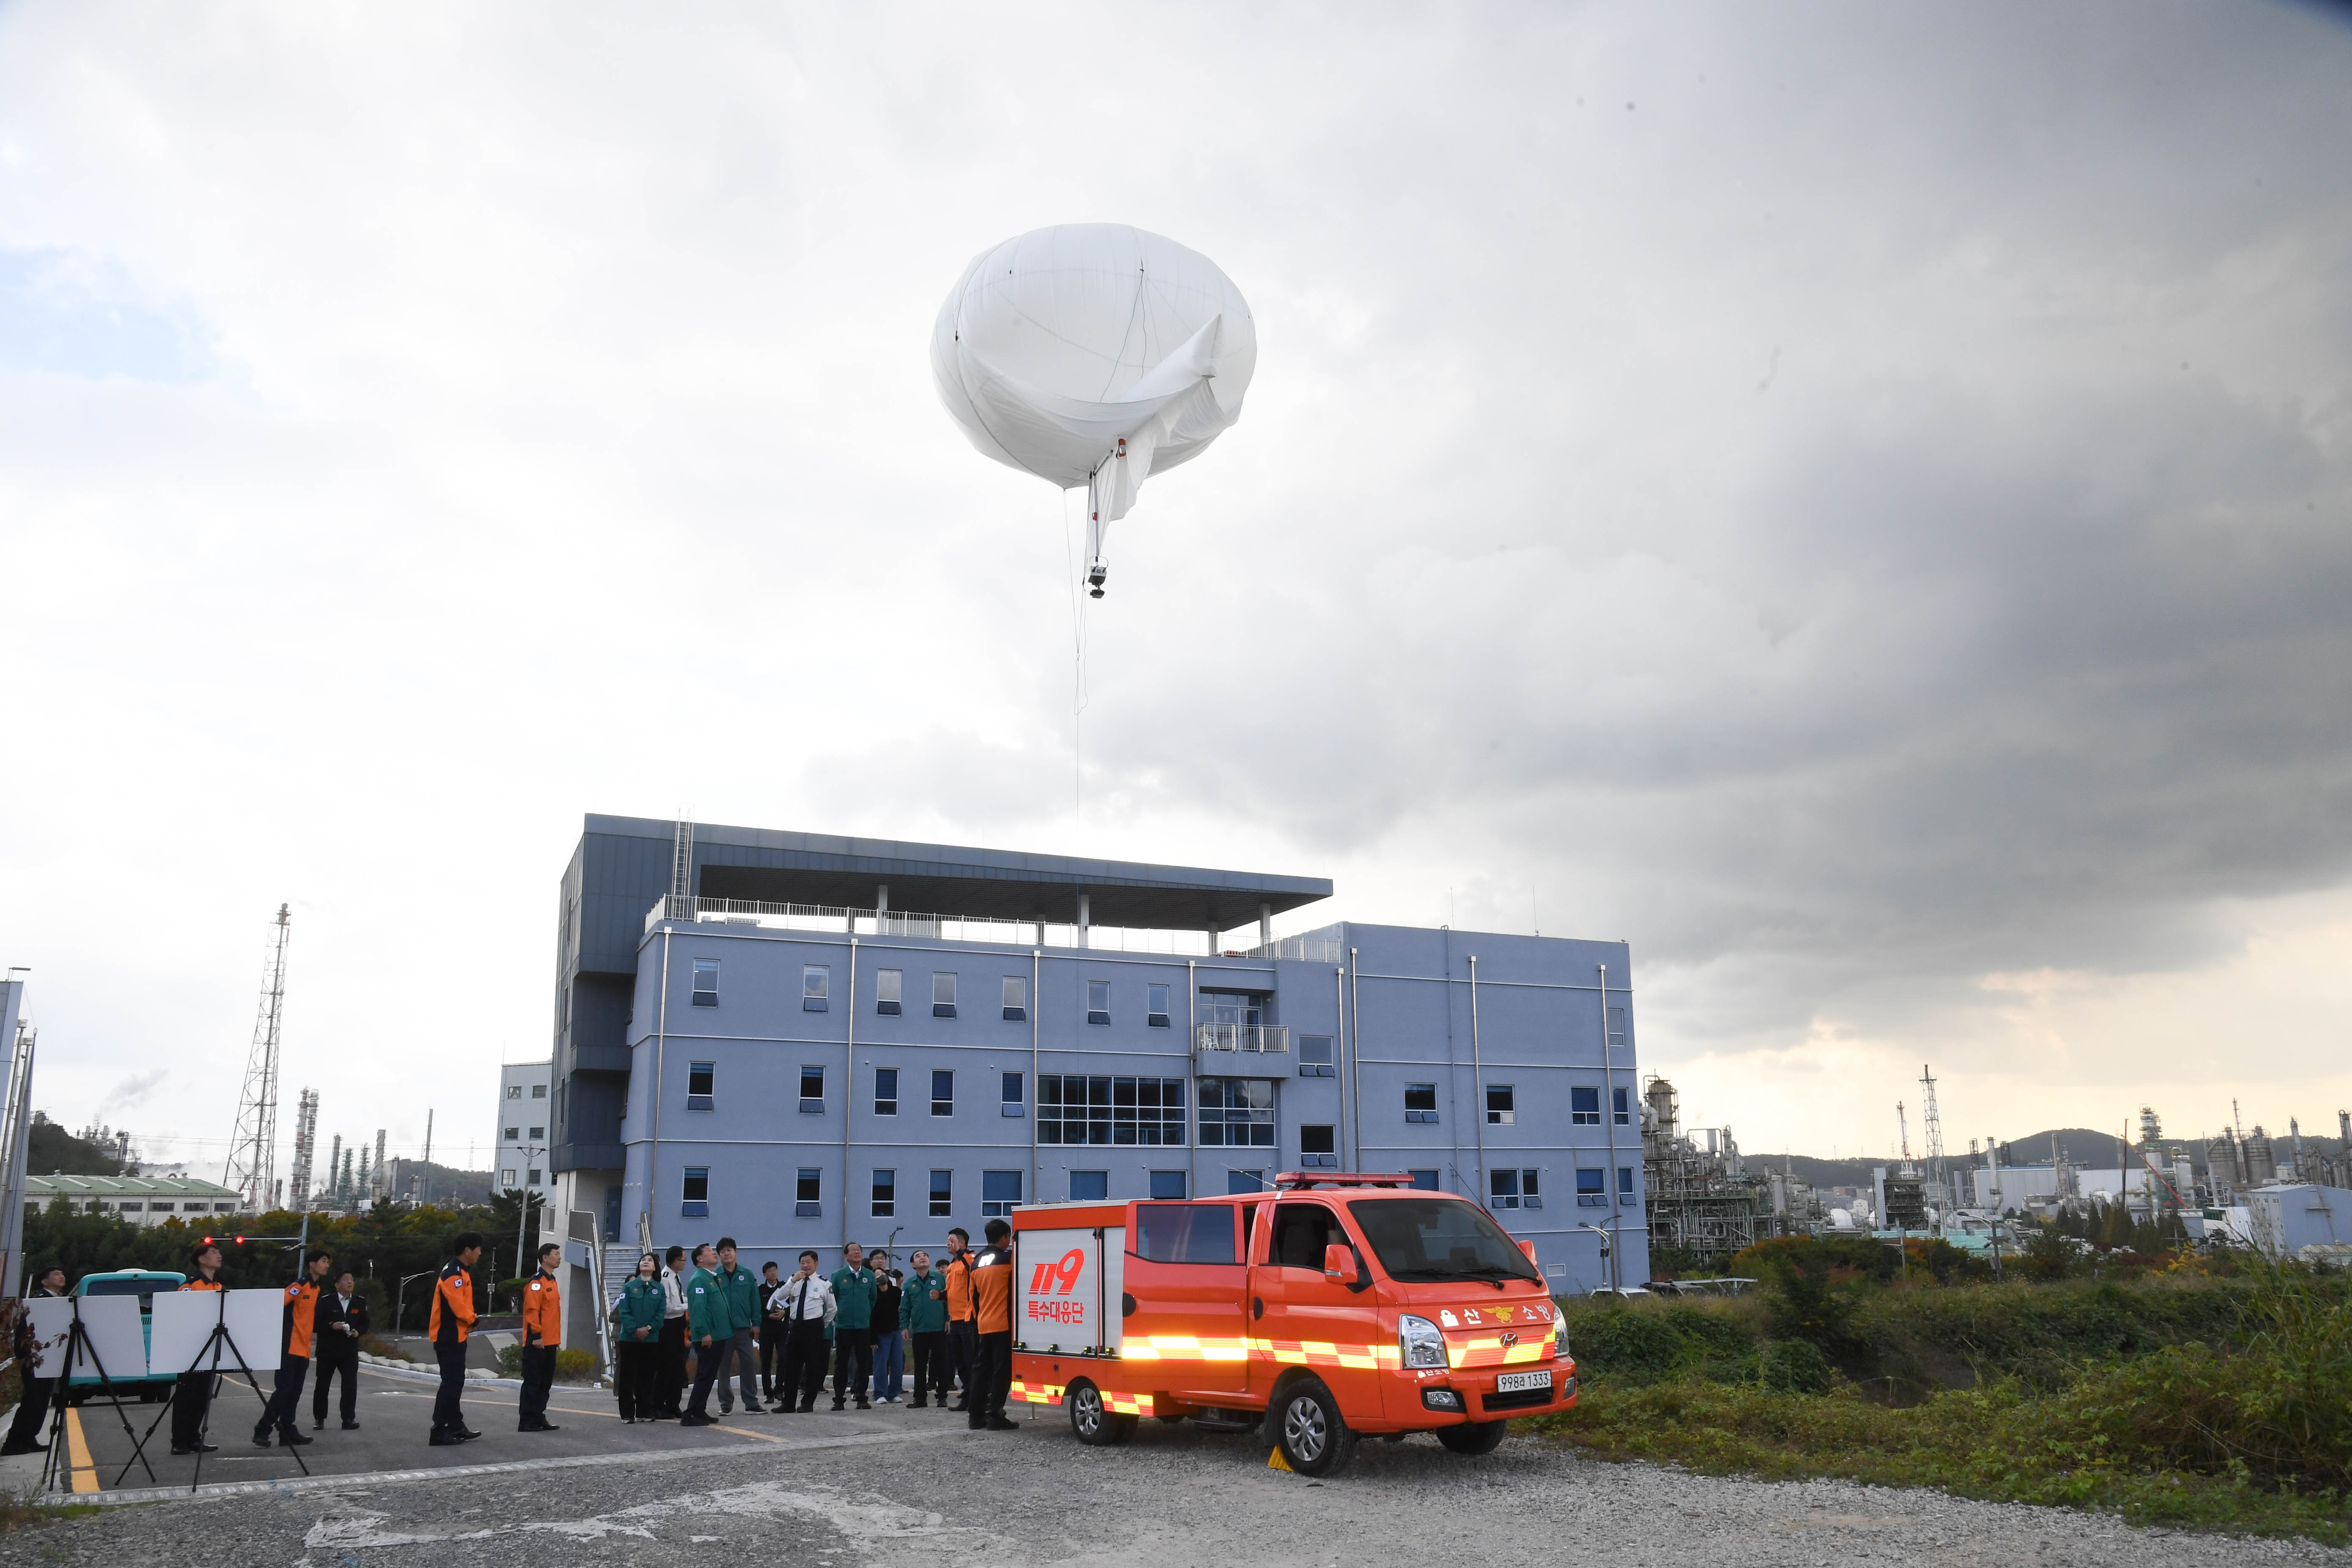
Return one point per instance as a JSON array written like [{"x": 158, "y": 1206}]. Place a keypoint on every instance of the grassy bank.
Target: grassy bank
[{"x": 2186, "y": 1401}]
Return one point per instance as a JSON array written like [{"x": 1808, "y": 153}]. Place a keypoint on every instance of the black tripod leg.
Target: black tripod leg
[
  {"x": 139, "y": 1450},
  {"x": 257, "y": 1388},
  {"x": 115, "y": 1399}
]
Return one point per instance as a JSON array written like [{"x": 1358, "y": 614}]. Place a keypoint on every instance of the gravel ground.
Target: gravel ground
[{"x": 1173, "y": 1496}]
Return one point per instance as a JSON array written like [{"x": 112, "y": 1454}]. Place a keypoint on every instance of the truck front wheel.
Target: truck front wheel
[
  {"x": 1478, "y": 1437},
  {"x": 1092, "y": 1422},
  {"x": 1315, "y": 1441}
]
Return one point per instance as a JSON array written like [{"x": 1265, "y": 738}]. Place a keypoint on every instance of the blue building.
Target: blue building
[{"x": 802, "y": 1040}]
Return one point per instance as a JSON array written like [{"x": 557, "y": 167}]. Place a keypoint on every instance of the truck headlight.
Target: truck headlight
[
  {"x": 1419, "y": 1340},
  {"x": 1558, "y": 1333}
]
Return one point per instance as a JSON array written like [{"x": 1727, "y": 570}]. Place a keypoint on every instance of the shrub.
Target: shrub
[
  {"x": 570, "y": 1366},
  {"x": 1795, "y": 1366}
]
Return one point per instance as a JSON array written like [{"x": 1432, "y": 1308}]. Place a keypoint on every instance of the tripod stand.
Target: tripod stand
[
  {"x": 207, "y": 1362},
  {"x": 58, "y": 1463}
]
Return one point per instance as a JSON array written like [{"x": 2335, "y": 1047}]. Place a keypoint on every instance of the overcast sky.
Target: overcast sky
[{"x": 1855, "y": 500}]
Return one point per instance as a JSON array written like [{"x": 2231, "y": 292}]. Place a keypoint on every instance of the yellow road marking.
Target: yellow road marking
[{"x": 84, "y": 1468}]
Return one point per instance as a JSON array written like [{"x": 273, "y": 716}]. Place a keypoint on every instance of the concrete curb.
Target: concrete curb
[{"x": 516, "y": 1466}]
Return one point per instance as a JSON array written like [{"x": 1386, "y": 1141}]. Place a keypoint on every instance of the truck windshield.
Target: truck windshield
[{"x": 1439, "y": 1238}]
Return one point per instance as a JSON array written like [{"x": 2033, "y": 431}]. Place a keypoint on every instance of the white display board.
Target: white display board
[
  {"x": 112, "y": 1338},
  {"x": 52, "y": 1326},
  {"x": 184, "y": 1321}
]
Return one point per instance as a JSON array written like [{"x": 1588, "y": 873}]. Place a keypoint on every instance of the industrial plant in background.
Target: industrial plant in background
[{"x": 1703, "y": 1202}]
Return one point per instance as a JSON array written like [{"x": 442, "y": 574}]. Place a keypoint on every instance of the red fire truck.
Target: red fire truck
[{"x": 1330, "y": 1307}]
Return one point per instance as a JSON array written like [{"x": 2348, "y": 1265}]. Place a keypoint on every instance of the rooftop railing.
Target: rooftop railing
[{"x": 940, "y": 928}]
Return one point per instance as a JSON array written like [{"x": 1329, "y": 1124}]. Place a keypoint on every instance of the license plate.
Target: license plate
[{"x": 1513, "y": 1382}]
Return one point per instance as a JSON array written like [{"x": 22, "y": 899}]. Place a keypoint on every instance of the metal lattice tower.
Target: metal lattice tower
[
  {"x": 1931, "y": 1125},
  {"x": 1903, "y": 1128},
  {"x": 306, "y": 1142},
  {"x": 253, "y": 1148}
]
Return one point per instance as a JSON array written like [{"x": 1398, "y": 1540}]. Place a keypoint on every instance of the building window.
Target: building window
[
  {"x": 1515, "y": 1189},
  {"x": 1590, "y": 1191},
  {"x": 815, "y": 980},
  {"x": 886, "y": 1091},
  {"x": 942, "y": 1092},
  {"x": 1501, "y": 1105},
  {"x": 1000, "y": 1194},
  {"x": 1097, "y": 1001},
  {"x": 506, "y": 1181},
  {"x": 1245, "y": 1181},
  {"x": 1237, "y": 1113},
  {"x": 1315, "y": 1057},
  {"x": 1155, "y": 1005},
  {"x": 1015, "y": 1103},
  {"x": 1624, "y": 1116},
  {"x": 812, "y": 1090},
  {"x": 1584, "y": 1107},
  {"x": 1016, "y": 999},
  {"x": 1316, "y": 1149},
  {"x": 1625, "y": 1184},
  {"x": 942, "y": 1193},
  {"x": 1420, "y": 1102},
  {"x": 1616, "y": 1025},
  {"x": 808, "y": 1194},
  {"x": 159, "y": 1208},
  {"x": 1089, "y": 1186},
  {"x": 1081, "y": 1107},
  {"x": 514, "y": 1134},
  {"x": 698, "y": 1077},
  {"x": 532, "y": 1177},
  {"x": 514, "y": 1092},
  {"x": 1426, "y": 1180},
  {"x": 695, "y": 1193},
  {"x": 942, "y": 995},
  {"x": 539, "y": 1091},
  {"x": 886, "y": 1194},
  {"x": 1167, "y": 1186},
  {"x": 885, "y": 990},
  {"x": 538, "y": 1132},
  {"x": 705, "y": 982}
]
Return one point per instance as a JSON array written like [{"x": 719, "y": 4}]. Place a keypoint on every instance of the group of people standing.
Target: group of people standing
[
  {"x": 324, "y": 1319},
  {"x": 775, "y": 1335}
]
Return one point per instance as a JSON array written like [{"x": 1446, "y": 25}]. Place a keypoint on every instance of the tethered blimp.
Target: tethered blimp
[{"x": 1094, "y": 354}]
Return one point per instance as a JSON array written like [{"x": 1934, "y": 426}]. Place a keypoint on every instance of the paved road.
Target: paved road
[{"x": 893, "y": 1486}]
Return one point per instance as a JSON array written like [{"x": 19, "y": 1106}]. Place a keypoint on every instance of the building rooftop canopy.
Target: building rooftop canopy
[{"x": 767, "y": 866}]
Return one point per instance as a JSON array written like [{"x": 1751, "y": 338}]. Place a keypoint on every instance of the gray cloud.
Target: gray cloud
[{"x": 1848, "y": 500}]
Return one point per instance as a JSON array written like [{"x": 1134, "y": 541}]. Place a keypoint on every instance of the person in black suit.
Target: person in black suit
[{"x": 343, "y": 1321}]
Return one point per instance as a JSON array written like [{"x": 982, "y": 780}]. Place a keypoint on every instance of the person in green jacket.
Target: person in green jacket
[
  {"x": 636, "y": 1341},
  {"x": 852, "y": 1327},
  {"x": 923, "y": 1314},
  {"x": 739, "y": 1349},
  {"x": 708, "y": 1328}
]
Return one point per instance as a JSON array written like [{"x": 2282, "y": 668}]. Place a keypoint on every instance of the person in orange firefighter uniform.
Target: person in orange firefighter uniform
[
  {"x": 543, "y": 1331},
  {"x": 451, "y": 1320}
]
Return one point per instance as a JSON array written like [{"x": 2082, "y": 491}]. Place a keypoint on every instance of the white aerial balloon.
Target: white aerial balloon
[{"x": 1094, "y": 354}]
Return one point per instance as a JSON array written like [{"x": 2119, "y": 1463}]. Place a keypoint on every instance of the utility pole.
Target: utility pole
[
  {"x": 425, "y": 1172},
  {"x": 253, "y": 1147}
]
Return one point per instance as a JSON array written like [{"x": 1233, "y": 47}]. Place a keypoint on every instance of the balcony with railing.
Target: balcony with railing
[{"x": 1246, "y": 1039}]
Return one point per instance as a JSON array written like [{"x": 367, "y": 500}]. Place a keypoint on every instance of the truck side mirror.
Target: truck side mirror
[
  {"x": 1529, "y": 1248},
  {"x": 1338, "y": 1262}
]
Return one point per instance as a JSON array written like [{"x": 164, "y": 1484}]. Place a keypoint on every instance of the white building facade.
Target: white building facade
[{"x": 520, "y": 1137}]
